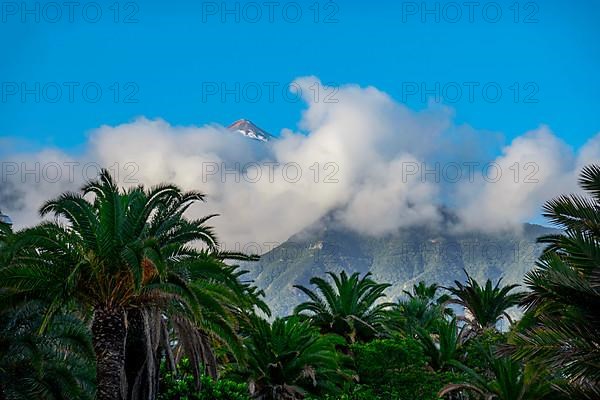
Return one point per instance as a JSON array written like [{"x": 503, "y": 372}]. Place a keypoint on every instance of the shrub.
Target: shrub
[
  {"x": 181, "y": 386},
  {"x": 396, "y": 369}
]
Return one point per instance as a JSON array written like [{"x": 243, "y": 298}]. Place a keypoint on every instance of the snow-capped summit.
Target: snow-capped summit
[{"x": 248, "y": 129}]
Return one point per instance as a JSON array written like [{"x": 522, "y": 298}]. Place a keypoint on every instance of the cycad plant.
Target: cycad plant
[{"x": 349, "y": 307}]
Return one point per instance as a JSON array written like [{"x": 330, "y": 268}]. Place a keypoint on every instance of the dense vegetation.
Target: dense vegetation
[{"x": 121, "y": 296}]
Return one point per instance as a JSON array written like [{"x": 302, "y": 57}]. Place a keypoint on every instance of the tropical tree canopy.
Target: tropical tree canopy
[
  {"x": 565, "y": 292},
  {"x": 484, "y": 305},
  {"x": 421, "y": 310},
  {"x": 290, "y": 358},
  {"x": 507, "y": 380},
  {"x": 349, "y": 307},
  {"x": 120, "y": 296},
  {"x": 111, "y": 252}
]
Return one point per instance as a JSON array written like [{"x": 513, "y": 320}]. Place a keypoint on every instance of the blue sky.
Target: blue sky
[{"x": 167, "y": 56}]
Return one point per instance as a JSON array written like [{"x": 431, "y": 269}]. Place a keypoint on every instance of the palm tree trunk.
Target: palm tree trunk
[
  {"x": 108, "y": 335},
  {"x": 135, "y": 353},
  {"x": 142, "y": 354}
]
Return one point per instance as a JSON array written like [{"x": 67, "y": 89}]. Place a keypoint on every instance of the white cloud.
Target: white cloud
[
  {"x": 363, "y": 159},
  {"x": 532, "y": 169}
]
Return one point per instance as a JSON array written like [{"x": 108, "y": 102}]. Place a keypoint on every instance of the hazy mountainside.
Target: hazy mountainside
[{"x": 403, "y": 258}]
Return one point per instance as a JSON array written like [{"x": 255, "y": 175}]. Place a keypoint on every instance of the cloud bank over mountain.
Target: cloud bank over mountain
[{"x": 360, "y": 156}]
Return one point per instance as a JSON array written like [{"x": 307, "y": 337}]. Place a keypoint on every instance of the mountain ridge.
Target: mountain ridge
[{"x": 402, "y": 258}]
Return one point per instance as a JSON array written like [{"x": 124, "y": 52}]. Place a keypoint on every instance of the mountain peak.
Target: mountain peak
[{"x": 249, "y": 129}]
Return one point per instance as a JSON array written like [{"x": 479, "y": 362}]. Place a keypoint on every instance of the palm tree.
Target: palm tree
[
  {"x": 564, "y": 292},
  {"x": 509, "y": 380},
  {"x": 422, "y": 310},
  {"x": 290, "y": 358},
  {"x": 112, "y": 251},
  {"x": 427, "y": 292},
  {"x": 442, "y": 347},
  {"x": 157, "y": 328},
  {"x": 348, "y": 308},
  {"x": 56, "y": 365},
  {"x": 484, "y": 305}
]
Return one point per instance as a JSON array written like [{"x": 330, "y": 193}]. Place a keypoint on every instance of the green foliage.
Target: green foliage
[
  {"x": 445, "y": 347},
  {"x": 354, "y": 392},
  {"x": 565, "y": 293},
  {"x": 289, "y": 358},
  {"x": 476, "y": 350},
  {"x": 132, "y": 251},
  {"x": 110, "y": 251},
  {"x": 423, "y": 291},
  {"x": 348, "y": 308},
  {"x": 485, "y": 305},
  {"x": 396, "y": 369},
  {"x": 55, "y": 365},
  {"x": 421, "y": 311},
  {"x": 182, "y": 386},
  {"x": 505, "y": 379}
]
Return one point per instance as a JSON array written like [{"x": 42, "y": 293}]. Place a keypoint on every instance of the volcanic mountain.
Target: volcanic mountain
[{"x": 250, "y": 130}]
